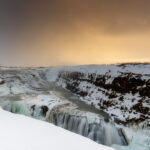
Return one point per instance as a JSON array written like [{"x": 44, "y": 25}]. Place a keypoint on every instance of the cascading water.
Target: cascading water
[{"x": 103, "y": 133}]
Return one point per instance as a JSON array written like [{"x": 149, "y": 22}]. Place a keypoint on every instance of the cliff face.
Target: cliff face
[{"x": 122, "y": 91}]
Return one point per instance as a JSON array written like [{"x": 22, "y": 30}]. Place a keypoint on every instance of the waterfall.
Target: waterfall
[{"x": 103, "y": 133}]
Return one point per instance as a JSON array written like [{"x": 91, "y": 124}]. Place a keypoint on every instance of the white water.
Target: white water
[{"x": 103, "y": 133}]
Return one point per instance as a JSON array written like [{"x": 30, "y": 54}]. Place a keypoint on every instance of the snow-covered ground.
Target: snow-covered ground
[
  {"x": 113, "y": 70},
  {"x": 20, "y": 81},
  {"x": 21, "y": 133}
]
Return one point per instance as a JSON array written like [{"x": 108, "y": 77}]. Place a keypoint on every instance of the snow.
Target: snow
[
  {"x": 31, "y": 105},
  {"x": 114, "y": 70},
  {"x": 49, "y": 100},
  {"x": 18, "y": 132}
]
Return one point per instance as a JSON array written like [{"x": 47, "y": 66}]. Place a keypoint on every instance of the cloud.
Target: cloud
[{"x": 54, "y": 32}]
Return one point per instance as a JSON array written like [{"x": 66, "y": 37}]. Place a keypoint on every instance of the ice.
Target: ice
[{"x": 32, "y": 105}]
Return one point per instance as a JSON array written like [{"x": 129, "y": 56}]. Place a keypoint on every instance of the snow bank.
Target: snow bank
[{"x": 22, "y": 133}]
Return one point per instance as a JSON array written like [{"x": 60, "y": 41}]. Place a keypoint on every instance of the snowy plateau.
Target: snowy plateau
[{"x": 101, "y": 105}]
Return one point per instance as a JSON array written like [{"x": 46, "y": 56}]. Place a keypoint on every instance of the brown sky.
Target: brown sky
[{"x": 70, "y": 32}]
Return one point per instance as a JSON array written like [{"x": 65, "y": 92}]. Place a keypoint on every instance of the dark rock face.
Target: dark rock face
[
  {"x": 145, "y": 92},
  {"x": 125, "y": 83},
  {"x": 44, "y": 110},
  {"x": 33, "y": 107},
  {"x": 139, "y": 108}
]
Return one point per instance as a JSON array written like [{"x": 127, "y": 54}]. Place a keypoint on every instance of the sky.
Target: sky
[{"x": 74, "y": 32}]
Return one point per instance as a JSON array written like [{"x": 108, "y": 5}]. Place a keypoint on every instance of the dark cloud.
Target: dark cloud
[{"x": 109, "y": 15}]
